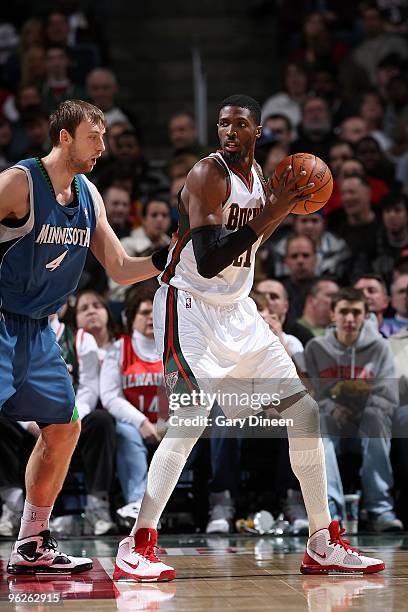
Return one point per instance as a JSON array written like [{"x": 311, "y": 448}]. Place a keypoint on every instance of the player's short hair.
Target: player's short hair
[
  {"x": 69, "y": 115},
  {"x": 244, "y": 101},
  {"x": 349, "y": 294}
]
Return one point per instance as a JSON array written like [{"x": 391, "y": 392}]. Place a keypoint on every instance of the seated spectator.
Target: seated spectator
[
  {"x": 33, "y": 69},
  {"x": 375, "y": 163},
  {"x": 315, "y": 130},
  {"x": 57, "y": 86},
  {"x": 274, "y": 155},
  {"x": 325, "y": 84},
  {"x": 377, "y": 43},
  {"x": 93, "y": 315},
  {"x": 31, "y": 35},
  {"x": 317, "y": 312},
  {"x": 352, "y": 361},
  {"x": 102, "y": 87},
  {"x": 396, "y": 111},
  {"x": 132, "y": 391},
  {"x": 289, "y": 101},
  {"x": 318, "y": 44},
  {"x": 301, "y": 262},
  {"x": 332, "y": 252},
  {"x": 85, "y": 57},
  {"x": 149, "y": 237},
  {"x": 399, "y": 291},
  {"x": 148, "y": 181},
  {"x": 392, "y": 237},
  {"x": 273, "y": 310},
  {"x": 178, "y": 170},
  {"x": 117, "y": 205},
  {"x": 277, "y": 301},
  {"x": 375, "y": 293},
  {"x": 281, "y": 129},
  {"x": 35, "y": 123},
  {"x": 152, "y": 232},
  {"x": 372, "y": 111},
  {"x": 360, "y": 220},
  {"x": 183, "y": 135},
  {"x": 352, "y": 167},
  {"x": 353, "y": 129}
]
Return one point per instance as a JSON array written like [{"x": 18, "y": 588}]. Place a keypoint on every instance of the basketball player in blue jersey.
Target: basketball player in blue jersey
[
  {"x": 50, "y": 215},
  {"x": 208, "y": 330}
]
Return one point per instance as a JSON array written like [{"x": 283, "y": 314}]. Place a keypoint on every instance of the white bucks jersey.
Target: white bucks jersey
[{"x": 244, "y": 201}]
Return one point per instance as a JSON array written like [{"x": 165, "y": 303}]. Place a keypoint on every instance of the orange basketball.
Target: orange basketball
[{"x": 317, "y": 172}]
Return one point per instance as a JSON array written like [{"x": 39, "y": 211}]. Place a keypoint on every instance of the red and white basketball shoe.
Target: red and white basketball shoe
[
  {"x": 326, "y": 553},
  {"x": 136, "y": 559}
]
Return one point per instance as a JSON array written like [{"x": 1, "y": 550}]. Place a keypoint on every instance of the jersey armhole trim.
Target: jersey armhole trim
[
  {"x": 223, "y": 165},
  {"x": 94, "y": 195},
  {"x": 11, "y": 233}
]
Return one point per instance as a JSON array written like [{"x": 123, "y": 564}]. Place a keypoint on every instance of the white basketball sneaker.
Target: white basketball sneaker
[
  {"x": 39, "y": 554},
  {"x": 326, "y": 552},
  {"x": 136, "y": 559}
]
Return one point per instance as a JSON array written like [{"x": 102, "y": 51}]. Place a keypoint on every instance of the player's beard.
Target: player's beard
[
  {"x": 76, "y": 165},
  {"x": 232, "y": 158}
]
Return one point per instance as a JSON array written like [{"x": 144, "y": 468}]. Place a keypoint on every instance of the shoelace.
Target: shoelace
[
  {"x": 338, "y": 541},
  {"x": 49, "y": 543},
  {"x": 148, "y": 552}
]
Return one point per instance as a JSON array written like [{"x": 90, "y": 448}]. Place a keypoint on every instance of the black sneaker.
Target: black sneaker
[{"x": 39, "y": 555}]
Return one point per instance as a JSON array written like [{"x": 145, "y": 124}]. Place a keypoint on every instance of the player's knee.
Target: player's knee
[
  {"x": 305, "y": 416},
  {"x": 66, "y": 434}
]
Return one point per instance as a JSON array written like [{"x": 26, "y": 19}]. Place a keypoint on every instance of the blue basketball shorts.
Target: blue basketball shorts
[{"x": 34, "y": 381}]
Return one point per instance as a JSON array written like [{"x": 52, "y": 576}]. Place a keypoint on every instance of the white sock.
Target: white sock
[
  {"x": 164, "y": 472},
  {"x": 13, "y": 497},
  {"x": 34, "y": 520},
  {"x": 308, "y": 465},
  {"x": 167, "y": 464}
]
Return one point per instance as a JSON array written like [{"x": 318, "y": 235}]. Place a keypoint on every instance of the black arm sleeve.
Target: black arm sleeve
[
  {"x": 215, "y": 249},
  {"x": 159, "y": 258}
]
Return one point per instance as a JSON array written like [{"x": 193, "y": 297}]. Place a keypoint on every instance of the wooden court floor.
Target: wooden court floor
[{"x": 240, "y": 573}]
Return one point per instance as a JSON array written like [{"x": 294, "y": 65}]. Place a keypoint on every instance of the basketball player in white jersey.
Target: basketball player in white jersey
[{"x": 208, "y": 329}]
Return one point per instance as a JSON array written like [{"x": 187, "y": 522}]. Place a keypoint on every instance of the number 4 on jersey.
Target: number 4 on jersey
[{"x": 51, "y": 265}]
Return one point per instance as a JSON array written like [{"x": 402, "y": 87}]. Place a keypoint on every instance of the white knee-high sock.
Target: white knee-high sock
[
  {"x": 164, "y": 472},
  {"x": 309, "y": 468},
  {"x": 307, "y": 459},
  {"x": 166, "y": 466}
]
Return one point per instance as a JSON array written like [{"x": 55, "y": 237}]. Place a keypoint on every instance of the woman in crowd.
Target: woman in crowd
[{"x": 132, "y": 391}]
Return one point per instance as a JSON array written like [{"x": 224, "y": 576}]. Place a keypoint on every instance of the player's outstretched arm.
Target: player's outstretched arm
[
  {"x": 14, "y": 194},
  {"x": 107, "y": 248}
]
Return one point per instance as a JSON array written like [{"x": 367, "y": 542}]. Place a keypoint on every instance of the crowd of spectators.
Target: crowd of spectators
[{"x": 333, "y": 285}]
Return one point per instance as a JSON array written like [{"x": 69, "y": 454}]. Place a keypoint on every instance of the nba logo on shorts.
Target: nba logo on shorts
[{"x": 188, "y": 301}]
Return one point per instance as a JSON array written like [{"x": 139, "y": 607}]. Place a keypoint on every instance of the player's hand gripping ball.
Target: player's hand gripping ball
[{"x": 317, "y": 172}]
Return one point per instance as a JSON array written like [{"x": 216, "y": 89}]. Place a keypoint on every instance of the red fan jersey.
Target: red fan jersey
[{"x": 143, "y": 383}]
